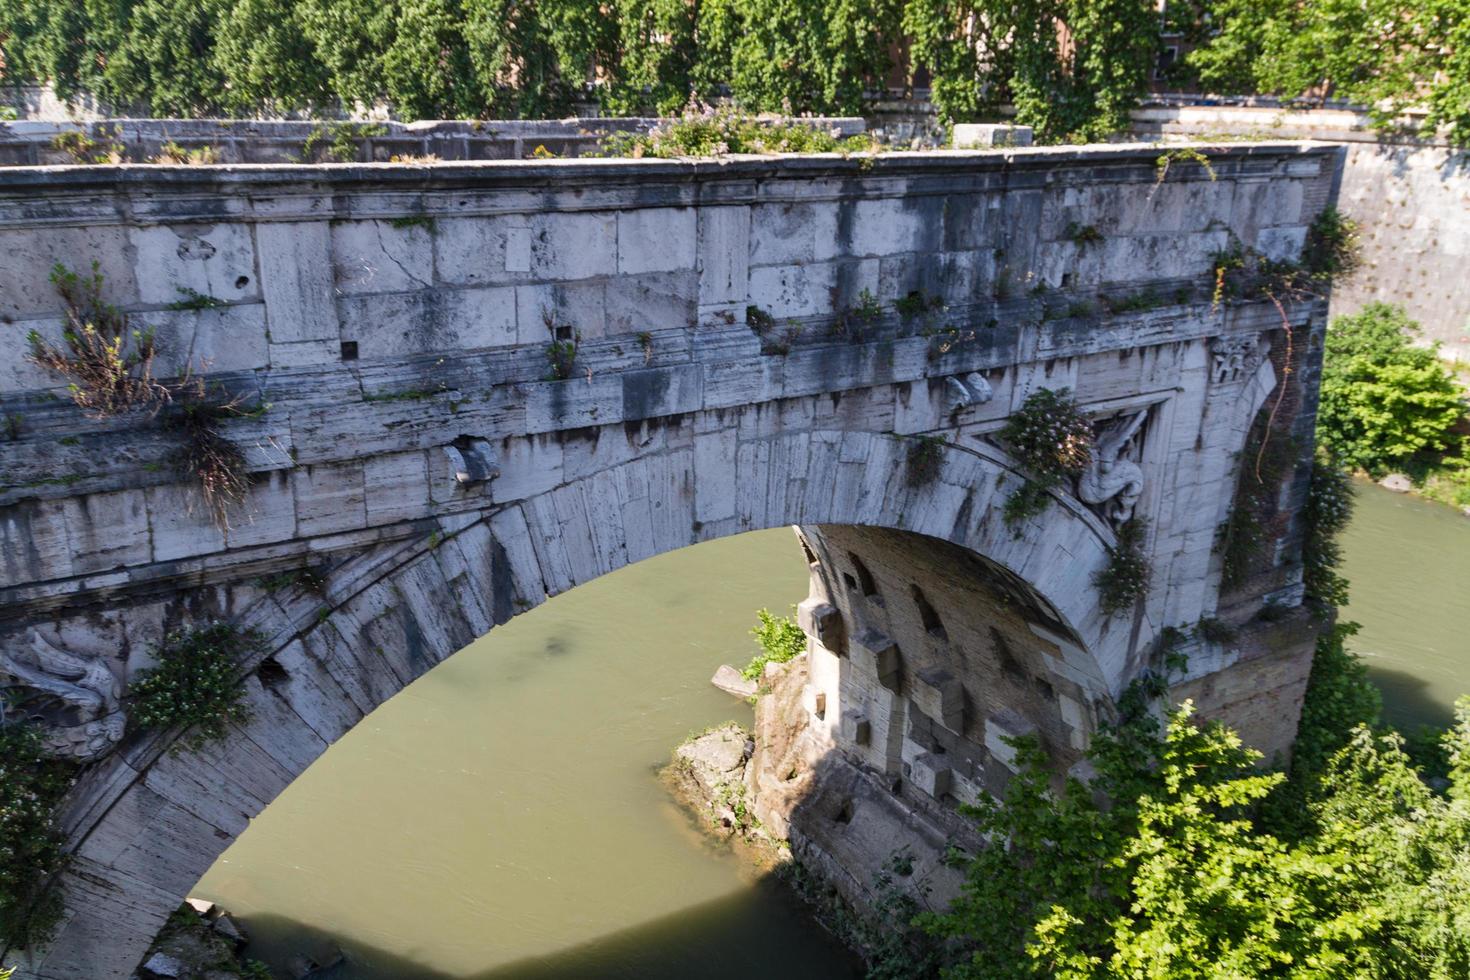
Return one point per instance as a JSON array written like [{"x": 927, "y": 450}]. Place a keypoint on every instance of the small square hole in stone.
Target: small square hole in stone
[
  {"x": 349, "y": 350},
  {"x": 1066, "y": 279},
  {"x": 563, "y": 333}
]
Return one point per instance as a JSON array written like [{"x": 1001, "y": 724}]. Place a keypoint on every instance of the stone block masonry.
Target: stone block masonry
[{"x": 741, "y": 343}]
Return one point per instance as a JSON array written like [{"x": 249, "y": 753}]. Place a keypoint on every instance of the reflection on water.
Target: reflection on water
[
  {"x": 501, "y": 817},
  {"x": 1408, "y": 562}
]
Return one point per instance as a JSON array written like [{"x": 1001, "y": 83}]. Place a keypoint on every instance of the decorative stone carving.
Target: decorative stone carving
[
  {"x": 972, "y": 389},
  {"x": 73, "y": 697},
  {"x": 1234, "y": 359},
  {"x": 472, "y": 460},
  {"x": 1113, "y": 480}
]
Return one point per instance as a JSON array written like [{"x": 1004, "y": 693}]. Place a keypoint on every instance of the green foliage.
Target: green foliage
[
  {"x": 1158, "y": 867},
  {"x": 108, "y": 364},
  {"x": 780, "y": 640},
  {"x": 988, "y": 53},
  {"x": 1267, "y": 461},
  {"x": 1386, "y": 55},
  {"x": 32, "y": 783},
  {"x": 192, "y": 299},
  {"x": 1386, "y": 404},
  {"x": 707, "y": 131},
  {"x": 1329, "y": 506},
  {"x": 561, "y": 356},
  {"x": 924, "y": 460},
  {"x": 1052, "y": 441},
  {"x": 86, "y": 151},
  {"x": 337, "y": 142},
  {"x": 1125, "y": 579},
  {"x": 196, "y": 684}
]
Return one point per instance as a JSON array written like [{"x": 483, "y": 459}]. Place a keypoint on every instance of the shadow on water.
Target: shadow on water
[
  {"x": 730, "y": 938},
  {"x": 1408, "y": 700}
]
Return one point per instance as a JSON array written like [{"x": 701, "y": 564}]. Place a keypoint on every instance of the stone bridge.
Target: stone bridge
[{"x": 742, "y": 344}]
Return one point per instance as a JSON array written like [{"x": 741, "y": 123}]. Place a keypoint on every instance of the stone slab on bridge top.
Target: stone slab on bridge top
[{"x": 742, "y": 343}]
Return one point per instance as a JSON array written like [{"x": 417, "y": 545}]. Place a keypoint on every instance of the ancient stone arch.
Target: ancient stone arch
[{"x": 745, "y": 363}]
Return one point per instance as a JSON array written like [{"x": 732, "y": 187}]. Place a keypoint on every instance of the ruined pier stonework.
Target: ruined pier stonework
[{"x": 759, "y": 342}]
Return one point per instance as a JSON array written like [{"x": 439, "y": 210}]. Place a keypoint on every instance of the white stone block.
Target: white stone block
[
  {"x": 929, "y": 773},
  {"x": 822, "y": 622},
  {"x": 296, "y": 280},
  {"x": 573, "y": 246},
  {"x": 214, "y": 260},
  {"x": 377, "y": 257},
  {"x": 723, "y": 255},
  {"x": 876, "y": 656},
  {"x": 714, "y": 475},
  {"x": 656, "y": 240},
  {"x": 973, "y": 135},
  {"x": 855, "y": 728}
]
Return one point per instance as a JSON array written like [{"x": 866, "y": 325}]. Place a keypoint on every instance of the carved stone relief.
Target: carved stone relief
[
  {"x": 1234, "y": 359},
  {"x": 73, "y": 697},
  {"x": 1113, "y": 480}
]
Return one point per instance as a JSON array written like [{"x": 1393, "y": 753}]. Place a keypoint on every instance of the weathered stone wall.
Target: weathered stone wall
[
  {"x": 32, "y": 142},
  {"x": 417, "y": 459},
  {"x": 1410, "y": 197}
]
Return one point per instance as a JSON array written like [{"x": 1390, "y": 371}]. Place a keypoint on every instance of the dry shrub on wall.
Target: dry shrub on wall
[{"x": 109, "y": 367}]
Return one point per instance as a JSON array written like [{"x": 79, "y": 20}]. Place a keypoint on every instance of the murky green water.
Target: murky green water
[
  {"x": 502, "y": 816},
  {"x": 1409, "y": 564}
]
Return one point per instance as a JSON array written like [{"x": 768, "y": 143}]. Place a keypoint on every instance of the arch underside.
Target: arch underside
[{"x": 149, "y": 822}]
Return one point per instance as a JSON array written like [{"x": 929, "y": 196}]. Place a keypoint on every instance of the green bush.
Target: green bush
[
  {"x": 1386, "y": 404},
  {"x": 1159, "y": 868},
  {"x": 31, "y": 785},
  {"x": 1125, "y": 579},
  {"x": 709, "y": 131},
  {"x": 780, "y": 640},
  {"x": 196, "y": 683},
  {"x": 1052, "y": 440}
]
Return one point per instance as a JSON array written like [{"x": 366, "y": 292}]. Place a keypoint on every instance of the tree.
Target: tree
[
  {"x": 1386, "y": 404},
  {"x": 1071, "y": 68},
  {"x": 1172, "y": 876},
  {"x": 1382, "y": 54}
]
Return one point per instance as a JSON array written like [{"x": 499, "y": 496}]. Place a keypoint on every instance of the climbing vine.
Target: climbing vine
[{"x": 1052, "y": 441}]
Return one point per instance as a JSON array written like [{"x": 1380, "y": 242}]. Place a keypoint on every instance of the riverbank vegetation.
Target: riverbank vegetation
[
  {"x": 982, "y": 59},
  {"x": 780, "y": 640},
  {"x": 1391, "y": 406}
]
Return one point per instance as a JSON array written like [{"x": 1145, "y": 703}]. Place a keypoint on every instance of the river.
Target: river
[
  {"x": 501, "y": 817},
  {"x": 1408, "y": 562}
]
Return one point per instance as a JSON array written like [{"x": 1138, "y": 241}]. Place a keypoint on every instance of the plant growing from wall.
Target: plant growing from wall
[
  {"x": 1052, "y": 441},
  {"x": 1124, "y": 580},
  {"x": 86, "y": 151},
  {"x": 561, "y": 355},
  {"x": 707, "y": 131},
  {"x": 337, "y": 141},
  {"x": 780, "y": 640},
  {"x": 924, "y": 460},
  {"x": 172, "y": 154},
  {"x": 210, "y": 460},
  {"x": 196, "y": 684},
  {"x": 32, "y": 783},
  {"x": 109, "y": 365}
]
